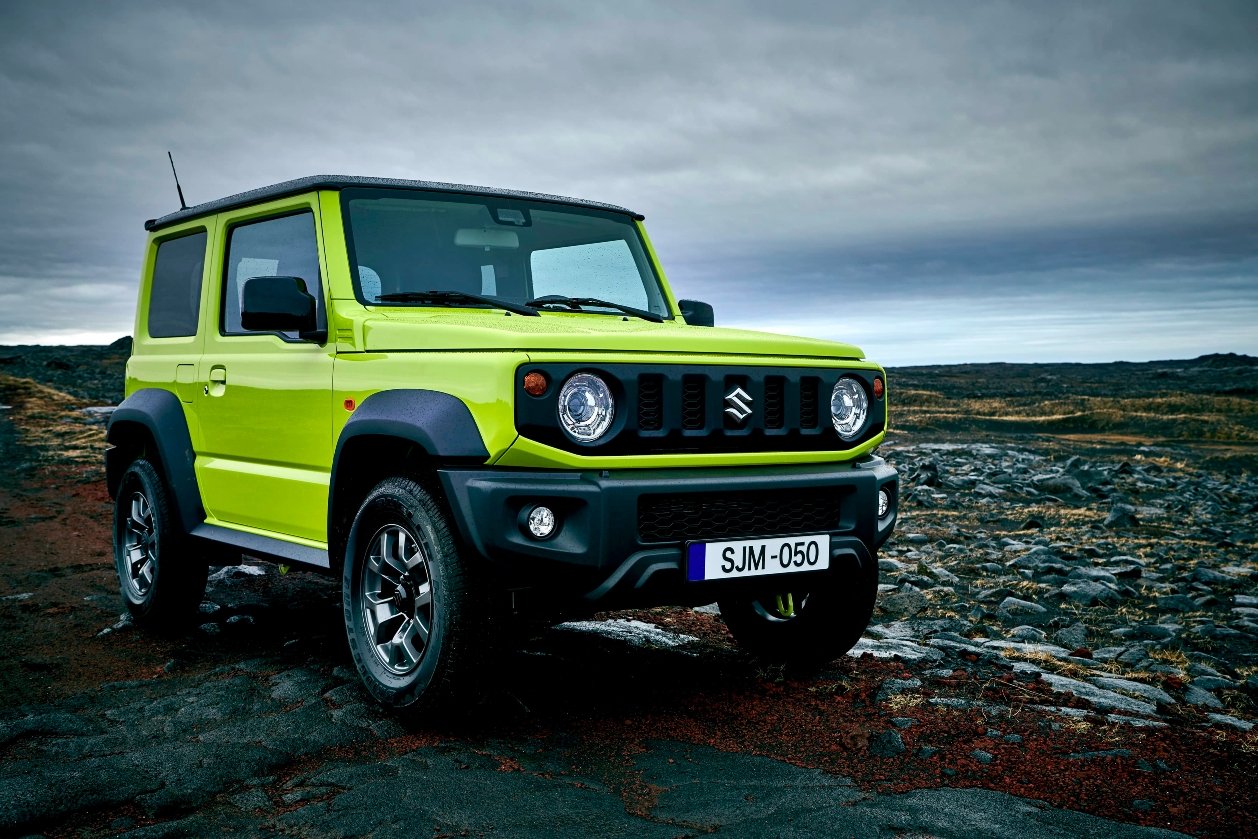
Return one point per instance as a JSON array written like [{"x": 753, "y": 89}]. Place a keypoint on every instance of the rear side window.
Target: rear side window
[
  {"x": 276, "y": 247},
  {"x": 175, "y": 293}
]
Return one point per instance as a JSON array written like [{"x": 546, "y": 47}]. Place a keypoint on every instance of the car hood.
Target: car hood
[{"x": 443, "y": 329}]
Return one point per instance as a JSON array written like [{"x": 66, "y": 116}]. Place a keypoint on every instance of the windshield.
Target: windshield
[{"x": 511, "y": 250}]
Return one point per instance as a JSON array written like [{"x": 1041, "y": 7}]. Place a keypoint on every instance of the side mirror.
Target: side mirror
[
  {"x": 280, "y": 304},
  {"x": 697, "y": 313}
]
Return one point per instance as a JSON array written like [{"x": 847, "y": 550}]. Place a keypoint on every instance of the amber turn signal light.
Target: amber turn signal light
[
  {"x": 877, "y": 388},
  {"x": 535, "y": 383}
]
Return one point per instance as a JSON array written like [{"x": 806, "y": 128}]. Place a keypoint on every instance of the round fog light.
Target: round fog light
[
  {"x": 541, "y": 522},
  {"x": 884, "y": 503}
]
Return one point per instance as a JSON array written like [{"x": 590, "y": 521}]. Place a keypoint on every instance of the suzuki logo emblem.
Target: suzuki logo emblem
[{"x": 739, "y": 402}]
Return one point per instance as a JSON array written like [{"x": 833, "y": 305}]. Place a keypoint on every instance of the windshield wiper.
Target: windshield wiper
[
  {"x": 453, "y": 297},
  {"x": 577, "y": 303}
]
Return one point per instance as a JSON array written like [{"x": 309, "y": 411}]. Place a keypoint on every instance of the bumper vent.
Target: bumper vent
[{"x": 736, "y": 515}]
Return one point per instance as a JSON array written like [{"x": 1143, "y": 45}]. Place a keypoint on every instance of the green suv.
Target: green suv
[{"x": 474, "y": 402}]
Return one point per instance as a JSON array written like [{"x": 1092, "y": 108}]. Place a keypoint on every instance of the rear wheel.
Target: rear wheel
[
  {"x": 413, "y": 609},
  {"x": 161, "y": 574},
  {"x": 804, "y": 628}
]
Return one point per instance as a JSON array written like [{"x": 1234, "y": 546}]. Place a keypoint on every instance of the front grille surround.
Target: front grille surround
[{"x": 681, "y": 409}]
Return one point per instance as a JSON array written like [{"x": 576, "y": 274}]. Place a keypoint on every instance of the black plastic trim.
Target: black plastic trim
[
  {"x": 338, "y": 182},
  {"x": 263, "y": 547},
  {"x": 598, "y": 550},
  {"x": 161, "y": 413},
  {"x": 437, "y": 422}
]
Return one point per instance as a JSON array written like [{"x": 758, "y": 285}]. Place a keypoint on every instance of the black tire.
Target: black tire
[
  {"x": 160, "y": 572},
  {"x": 816, "y": 627},
  {"x": 405, "y": 583}
]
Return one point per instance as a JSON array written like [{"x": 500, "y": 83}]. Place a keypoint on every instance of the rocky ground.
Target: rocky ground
[{"x": 1066, "y": 645}]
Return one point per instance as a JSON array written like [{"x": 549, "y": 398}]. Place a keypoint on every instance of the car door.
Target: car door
[{"x": 264, "y": 405}]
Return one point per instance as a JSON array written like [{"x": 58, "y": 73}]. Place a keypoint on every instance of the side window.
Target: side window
[
  {"x": 276, "y": 247},
  {"x": 599, "y": 269},
  {"x": 175, "y": 293}
]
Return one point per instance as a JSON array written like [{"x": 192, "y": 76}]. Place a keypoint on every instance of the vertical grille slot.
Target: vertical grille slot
[
  {"x": 693, "y": 402},
  {"x": 651, "y": 402},
  {"x": 809, "y": 415},
  {"x": 774, "y": 401}
]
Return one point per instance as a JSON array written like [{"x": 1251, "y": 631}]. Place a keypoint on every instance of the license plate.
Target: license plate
[{"x": 756, "y": 557}]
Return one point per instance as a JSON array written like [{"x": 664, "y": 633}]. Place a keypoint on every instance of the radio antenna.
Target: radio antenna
[{"x": 183, "y": 205}]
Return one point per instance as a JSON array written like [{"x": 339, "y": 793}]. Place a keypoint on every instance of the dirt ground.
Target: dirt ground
[{"x": 962, "y": 713}]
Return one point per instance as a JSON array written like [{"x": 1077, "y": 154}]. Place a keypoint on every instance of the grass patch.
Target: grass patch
[{"x": 50, "y": 422}]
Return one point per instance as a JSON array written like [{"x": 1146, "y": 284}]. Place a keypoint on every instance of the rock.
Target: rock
[
  {"x": 906, "y": 602},
  {"x": 1234, "y": 722},
  {"x": 895, "y": 648},
  {"x": 1088, "y": 593},
  {"x": 1177, "y": 603},
  {"x": 893, "y": 687},
  {"x": 1121, "y": 516},
  {"x": 1213, "y": 683},
  {"x": 1148, "y": 632},
  {"x": 1029, "y": 649},
  {"x": 1028, "y": 634},
  {"x": 1139, "y": 689},
  {"x": 1099, "y": 697},
  {"x": 1014, "y": 606},
  {"x": 1097, "y": 754},
  {"x": 887, "y": 744},
  {"x": 1132, "y": 656},
  {"x": 1202, "y": 574},
  {"x": 1096, "y": 575},
  {"x": 1061, "y": 485},
  {"x": 1072, "y": 637},
  {"x": 1197, "y": 696},
  {"x": 982, "y": 756}
]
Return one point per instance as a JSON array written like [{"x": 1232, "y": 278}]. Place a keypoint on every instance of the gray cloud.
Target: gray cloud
[{"x": 1046, "y": 170}]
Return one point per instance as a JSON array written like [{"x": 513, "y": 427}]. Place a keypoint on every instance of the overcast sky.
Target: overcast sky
[{"x": 936, "y": 182}]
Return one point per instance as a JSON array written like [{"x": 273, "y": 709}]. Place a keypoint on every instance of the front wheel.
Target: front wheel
[
  {"x": 162, "y": 575},
  {"x": 411, "y": 605},
  {"x": 804, "y": 628}
]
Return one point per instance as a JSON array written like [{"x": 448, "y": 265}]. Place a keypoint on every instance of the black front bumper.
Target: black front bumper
[{"x": 599, "y": 551}]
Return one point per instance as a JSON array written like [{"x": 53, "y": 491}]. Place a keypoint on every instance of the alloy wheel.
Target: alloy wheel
[
  {"x": 396, "y": 599},
  {"x": 139, "y": 546}
]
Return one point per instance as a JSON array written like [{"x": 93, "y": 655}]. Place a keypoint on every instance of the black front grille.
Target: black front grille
[
  {"x": 736, "y": 515},
  {"x": 774, "y": 402},
  {"x": 651, "y": 402},
  {"x": 693, "y": 403},
  {"x": 809, "y": 416},
  {"x": 688, "y": 409}
]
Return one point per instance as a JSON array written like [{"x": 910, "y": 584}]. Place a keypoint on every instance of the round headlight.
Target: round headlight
[
  {"x": 849, "y": 406},
  {"x": 585, "y": 407}
]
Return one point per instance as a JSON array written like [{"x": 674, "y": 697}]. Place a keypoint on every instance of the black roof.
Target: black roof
[{"x": 314, "y": 182}]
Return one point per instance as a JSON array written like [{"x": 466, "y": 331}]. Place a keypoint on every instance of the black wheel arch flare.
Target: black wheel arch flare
[
  {"x": 438, "y": 424},
  {"x": 157, "y": 415}
]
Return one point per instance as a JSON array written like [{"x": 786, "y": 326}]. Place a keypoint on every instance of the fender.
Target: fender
[
  {"x": 161, "y": 413},
  {"x": 437, "y": 422}
]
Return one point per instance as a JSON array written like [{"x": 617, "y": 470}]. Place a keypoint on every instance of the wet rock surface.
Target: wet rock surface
[{"x": 1036, "y": 667}]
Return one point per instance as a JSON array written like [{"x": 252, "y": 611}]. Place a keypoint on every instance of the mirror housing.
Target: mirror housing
[
  {"x": 280, "y": 304},
  {"x": 697, "y": 313}
]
